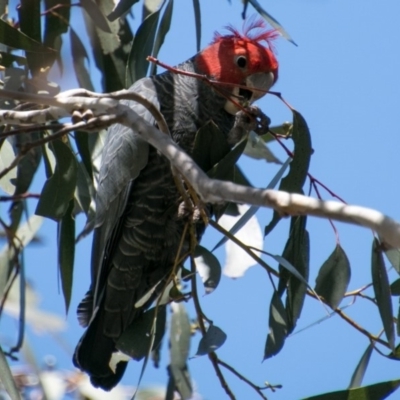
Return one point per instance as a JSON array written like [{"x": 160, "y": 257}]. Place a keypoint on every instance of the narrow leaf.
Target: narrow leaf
[
  {"x": 277, "y": 327},
  {"x": 208, "y": 268},
  {"x": 79, "y": 55},
  {"x": 122, "y": 7},
  {"x": 7, "y": 379},
  {"x": 66, "y": 253},
  {"x": 393, "y": 255},
  {"x": 253, "y": 209},
  {"x": 163, "y": 29},
  {"x": 197, "y": 20},
  {"x": 179, "y": 350},
  {"x": 211, "y": 341},
  {"x": 334, "y": 277},
  {"x": 15, "y": 39},
  {"x": 60, "y": 187},
  {"x": 95, "y": 13},
  {"x": 142, "y": 47},
  {"x": 271, "y": 20},
  {"x": 293, "y": 182},
  {"x": 362, "y": 365},
  {"x": 378, "y": 391},
  {"x": 395, "y": 288},
  {"x": 381, "y": 287}
]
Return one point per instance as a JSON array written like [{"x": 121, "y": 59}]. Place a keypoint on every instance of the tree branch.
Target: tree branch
[{"x": 210, "y": 190}]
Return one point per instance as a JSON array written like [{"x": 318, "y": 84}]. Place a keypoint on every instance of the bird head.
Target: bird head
[{"x": 246, "y": 59}]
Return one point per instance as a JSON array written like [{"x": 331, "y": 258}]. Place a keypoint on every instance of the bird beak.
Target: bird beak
[{"x": 258, "y": 85}]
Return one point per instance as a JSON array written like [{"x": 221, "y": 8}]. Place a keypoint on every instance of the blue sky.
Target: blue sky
[{"x": 343, "y": 78}]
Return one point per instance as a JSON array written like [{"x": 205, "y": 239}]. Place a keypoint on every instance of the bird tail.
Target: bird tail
[{"x": 93, "y": 353}]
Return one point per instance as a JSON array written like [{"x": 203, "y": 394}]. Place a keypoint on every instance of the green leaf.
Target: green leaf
[
  {"x": 7, "y": 379},
  {"x": 142, "y": 47},
  {"x": 95, "y": 13},
  {"x": 79, "y": 55},
  {"x": 334, "y": 277},
  {"x": 30, "y": 25},
  {"x": 7, "y": 156},
  {"x": 59, "y": 189},
  {"x": 179, "y": 350},
  {"x": 210, "y": 146},
  {"x": 208, "y": 268},
  {"x": 253, "y": 209},
  {"x": 395, "y": 288},
  {"x": 139, "y": 338},
  {"x": 271, "y": 20},
  {"x": 381, "y": 287},
  {"x": 362, "y": 365},
  {"x": 6, "y": 59},
  {"x": 393, "y": 255},
  {"x": 211, "y": 341},
  {"x": 15, "y": 39},
  {"x": 66, "y": 253},
  {"x": 378, "y": 391},
  {"x": 297, "y": 253},
  {"x": 278, "y": 329},
  {"x": 197, "y": 21},
  {"x": 294, "y": 181},
  {"x": 163, "y": 29},
  {"x": 122, "y": 7}
]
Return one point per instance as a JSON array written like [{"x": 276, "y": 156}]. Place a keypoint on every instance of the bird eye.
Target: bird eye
[{"x": 241, "y": 62}]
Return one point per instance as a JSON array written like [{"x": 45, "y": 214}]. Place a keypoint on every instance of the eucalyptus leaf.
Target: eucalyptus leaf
[
  {"x": 208, "y": 268},
  {"x": 334, "y": 277},
  {"x": 278, "y": 328},
  {"x": 378, "y": 391},
  {"x": 95, "y": 13},
  {"x": 381, "y": 287},
  {"x": 213, "y": 339},
  {"x": 59, "y": 189},
  {"x": 197, "y": 22},
  {"x": 121, "y": 8},
  {"x": 7, "y": 378},
  {"x": 362, "y": 365}
]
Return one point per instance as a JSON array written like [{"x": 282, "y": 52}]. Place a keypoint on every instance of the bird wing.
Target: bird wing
[{"x": 125, "y": 154}]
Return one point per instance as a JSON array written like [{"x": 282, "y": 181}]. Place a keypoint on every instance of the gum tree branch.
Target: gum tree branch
[{"x": 209, "y": 190}]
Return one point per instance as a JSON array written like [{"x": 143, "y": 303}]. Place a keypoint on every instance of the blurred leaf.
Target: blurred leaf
[
  {"x": 84, "y": 192},
  {"x": 55, "y": 26},
  {"x": 297, "y": 254},
  {"x": 79, "y": 55},
  {"x": 395, "y": 355},
  {"x": 210, "y": 146},
  {"x": 271, "y": 20},
  {"x": 362, "y": 365},
  {"x": 15, "y": 39},
  {"x": 393, "y": 255},
  {"x": 7, "y": 156},
  {"x": 122, "y": 7},
  {"x": 6, "y": 59},
  {"x": 257, "y": 149},
  {"x": 208, "y": 267},
  {"x": 294, "y": 181},
  {"x": 197, "y": 21},
  {"x": 66, "y": 253},
  {"x": 253, "y": 209},
  {"x": 211, "y": 341},
  {"x": 30, "y": 25},
  {"x": 378, "y": 391},
  {"x": 225, "y": 168},
  {"x": 59, "y": 189},
  {"x": 395, "y": 288},
  {"x": 163, "y": 29},
  {"x": 277, "y": 327},
  {"x": 7, "y": 379},
  {"x": 139, "y": 336},
  {"x": 95, "y": 13},
  {"x": 381, "y": 287},
  {"x": 179, "y": 349},
  {"x": 142, "y": 47},
  {"x": 334, "y": 277}
]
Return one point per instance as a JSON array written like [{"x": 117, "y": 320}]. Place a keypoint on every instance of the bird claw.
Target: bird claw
[
  {"x": 249, "y": 119},
  {"x": 192, "y": 212}
]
